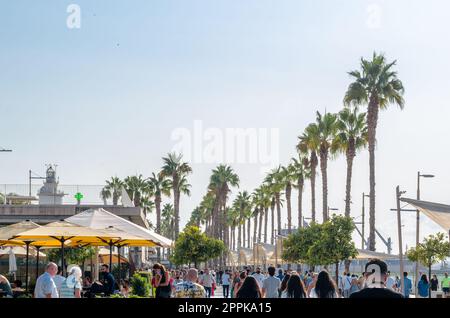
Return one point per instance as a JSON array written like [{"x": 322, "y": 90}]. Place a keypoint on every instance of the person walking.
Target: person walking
[
  {"x": 71, "y": 286},
  {"x": 162, "y": 281},
  {"x": 189, "y": 288},
  {"x": 295, "y": 288},
  {"x": 259, "y": 276},
  {"x": 283, "y": 286},
  {"x": 249, "y": 289},
  {"x": 225, "y": 281},
  {"x": 445, "y": 284},
  {"x": 408, "y": 285},
  {"x": 434, "y": 282},
  {"x": 324, "y": 287},
  {"x": 271, "y": 284},
  {"x": 239, "y": 283},
  {"x": 207, "y": 282},
  {"x": 45, "y": 285},
  {"x": 423, "y": 287}
]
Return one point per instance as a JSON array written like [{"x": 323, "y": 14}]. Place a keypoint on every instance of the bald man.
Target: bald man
[
  {"x": 45, "y": 285},
  {"x": 189, "y": 288}
]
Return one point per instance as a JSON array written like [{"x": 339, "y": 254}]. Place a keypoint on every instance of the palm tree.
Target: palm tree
[
  {"x": 327, "y": 132},
  {"x": 275, "y": 182},
  {"x": 376, "y": 86},
  {"x": 309, "y": 144},
  {"x": 300, "y": 172},
  {"x": 177, "y": 170},
  {"x": 137, "y": 188},
  {"x": 112, "y": 189},
  {"x": 243, "y": 205},
  {"x": 222, "y": 179},
  {"x": 168, "y": 221},
  {"x": 351, "y": 137},
  {"x": 158, "y": 185},
  {"x": 288, "y": 178}
]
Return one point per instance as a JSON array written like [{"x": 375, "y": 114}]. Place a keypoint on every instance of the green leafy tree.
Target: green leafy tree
[
  {"x": 193, "y": 246},
  {"x": 74, "y": 255},
  {"x": 335, "y": 243},
  {"x": 112, "y": 189},
  {"x": 433, "y": 250},
  {"x": 296, "y": 246}
]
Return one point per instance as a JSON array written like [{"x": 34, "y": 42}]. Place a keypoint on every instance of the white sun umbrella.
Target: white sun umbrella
[{"x": 100, "y": 219}]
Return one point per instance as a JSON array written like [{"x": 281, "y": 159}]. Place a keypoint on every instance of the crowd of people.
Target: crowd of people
[{"x": 248, "y": 283}]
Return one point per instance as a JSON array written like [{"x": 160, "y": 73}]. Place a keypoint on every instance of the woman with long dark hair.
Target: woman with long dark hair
[
  {"x": 325, "y": 287},
  {"x": 283, "y": 286},
  {"x": 249, "y": 289},
  {"x": 295, "y": 288},
  {"x": 162, "y": 281}
]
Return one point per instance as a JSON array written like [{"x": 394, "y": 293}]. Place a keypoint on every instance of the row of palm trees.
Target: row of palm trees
[
  {"x": 345, "y": 133},
  {"x": 148, "y": 193}
]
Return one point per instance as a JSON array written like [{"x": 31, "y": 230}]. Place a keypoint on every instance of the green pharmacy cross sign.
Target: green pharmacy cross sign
[{"x": 78, "y": 196}]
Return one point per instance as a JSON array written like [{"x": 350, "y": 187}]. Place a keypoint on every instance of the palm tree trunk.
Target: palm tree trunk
[
  {"x": 278, "y": 204},
  {"x": 158, "y": 222},
  {"x": 261, "y": 215},
  {"x": 266, "y": 216},
  {"x": 289, "y": 208},
  {"x": 176, "y": 204},
  {"x": 272, "y": 210},
  {"x": 255, "y": 227},
  {"x": 300, "y": 184},
  {"x": 323, "y": 168},
  {"x": 348, "y": 187},
  {"x": 249, "y": 222},
  {"x": 313, "y": 185},
  {"x": 372, "y": 119},
  {"x": 239, "y": 240}
]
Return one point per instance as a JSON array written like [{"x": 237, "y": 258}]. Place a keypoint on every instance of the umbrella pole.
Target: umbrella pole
[
  {"x": 118, "y": 263},
  {"x": 26, "y": 266},
  {"x": 62, "y": 257},
  {"x": 110, "y": 257},
  {"x": 37, "y": 262}
]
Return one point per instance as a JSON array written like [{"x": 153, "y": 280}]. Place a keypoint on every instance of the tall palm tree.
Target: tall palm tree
[
  {"x": 113, "y": 188},
  {"x": 300, "y": 173},
  {"x": 177, "y": 170},
  {"x": 222, "y": 179},
  {"x": 351, "y": 137},
  {"x": 275, "y": 182},
  {"x": 287, "y": 176},
  {"x": 309, "y": 145},
  {"x": 242, "y": 204},
  {"x": 158, "y": 185},
  {"x": 377, "y": 86},
  {"x": 327, "y": 132}
]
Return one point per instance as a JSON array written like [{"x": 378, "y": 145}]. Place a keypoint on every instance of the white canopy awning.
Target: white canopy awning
[
  {"x": 101, "y": 219},
  {"x": 439, "y": 213}
]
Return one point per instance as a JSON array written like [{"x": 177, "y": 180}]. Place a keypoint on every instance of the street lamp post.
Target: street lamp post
[
  {"x": 363, "y": 217},
  {"x": 331, "y": 209},
  {"x": 419, "y": 175}
]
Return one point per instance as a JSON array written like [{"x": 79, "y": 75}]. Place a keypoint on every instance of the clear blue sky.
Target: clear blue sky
[{"x": 104, "y": 99}]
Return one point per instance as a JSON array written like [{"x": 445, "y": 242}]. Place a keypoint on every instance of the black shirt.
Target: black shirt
[
  {"x": 434, "y": 284},
  {"x": 376, "y": 293},
  {"x": 108, "y": 283}
]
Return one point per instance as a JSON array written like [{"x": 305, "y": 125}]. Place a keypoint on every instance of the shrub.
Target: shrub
[{"x": 139, "y": 286}]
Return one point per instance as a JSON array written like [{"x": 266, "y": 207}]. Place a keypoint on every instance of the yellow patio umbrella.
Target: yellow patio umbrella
[
  {"x": 64, "y": 232},
  {"x": 119, "y": 239},
  {"x": 9, "y": 231}
]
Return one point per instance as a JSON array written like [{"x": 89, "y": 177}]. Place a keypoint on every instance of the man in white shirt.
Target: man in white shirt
[
  {"x": 259, "y": 277},
  {"x": 226, "y": 284},
  {"x": 271, "y": 284},
  {"x": 347, "y": 282},
  {"x": 207, "y": 281},
  {"x": 45, "y": 285},
  {"x": 390, "y": 282}
]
